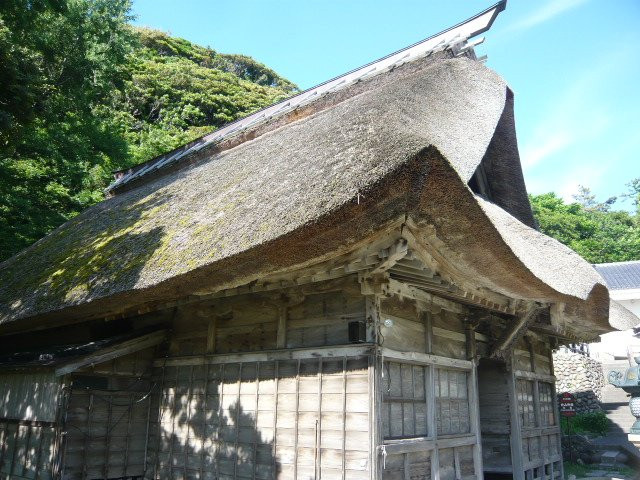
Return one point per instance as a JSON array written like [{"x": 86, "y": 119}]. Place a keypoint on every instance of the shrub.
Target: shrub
[{"x": 595, "y": 422}]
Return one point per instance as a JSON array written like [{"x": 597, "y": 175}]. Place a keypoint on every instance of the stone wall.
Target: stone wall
[{"x": 582, "y": 376}]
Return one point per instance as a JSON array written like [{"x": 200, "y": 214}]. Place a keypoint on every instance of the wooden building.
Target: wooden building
[{"x": 346, "y": 285}]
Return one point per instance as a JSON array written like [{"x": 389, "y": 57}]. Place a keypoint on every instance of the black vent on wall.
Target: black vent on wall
[{"x": 357, "y": 332}]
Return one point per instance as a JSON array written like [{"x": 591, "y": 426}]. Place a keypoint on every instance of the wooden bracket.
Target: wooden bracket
[
  {"x": 515, "y": 331},
  {"x": 390, "y": 256}
]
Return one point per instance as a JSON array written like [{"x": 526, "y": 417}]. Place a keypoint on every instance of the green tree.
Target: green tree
[
  {"x": 592, "y": 229},
  {"x": 64, "y": 59},
  {"x": 84, "y": 93}
]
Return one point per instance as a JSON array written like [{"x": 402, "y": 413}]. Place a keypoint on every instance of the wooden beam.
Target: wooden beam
[
  {"x": 114, "y": 351},
  {"x": 425, "y": 359},
  {"x": 390, "y": 256},
  {"x": 535, "y": 376},
  {"x": 268, "y": 355},
  {"x": 393, "y": 447},
  {"x": 394, "y": 287},
  {"x": 514, "y": 332}
]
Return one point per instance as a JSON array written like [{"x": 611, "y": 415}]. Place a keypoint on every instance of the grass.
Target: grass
[{"x": 581, "y": 471}]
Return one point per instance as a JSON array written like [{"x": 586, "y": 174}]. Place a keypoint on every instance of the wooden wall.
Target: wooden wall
[
  {"x": 285, "y": 419},
  {"x": 28, "y": 410},
  {"x": 256, "y": 322},
  {"x": 107, "y": 417},
  {"x": 428, "y": 395}
]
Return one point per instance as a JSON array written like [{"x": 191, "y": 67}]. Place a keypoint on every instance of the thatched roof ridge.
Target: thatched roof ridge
[
  {"x": 403, "y": 143},
  {"x": 453, "y": 39}
]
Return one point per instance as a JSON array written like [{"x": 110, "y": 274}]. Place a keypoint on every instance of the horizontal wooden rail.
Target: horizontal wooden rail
[
  {"x": 425, "y": 359},
  {"x": 410, "y": 445},
  {"x": 269, "y": 355}
]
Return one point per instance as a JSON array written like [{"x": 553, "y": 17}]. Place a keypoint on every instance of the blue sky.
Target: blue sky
[{"x": 574, "y": 65}]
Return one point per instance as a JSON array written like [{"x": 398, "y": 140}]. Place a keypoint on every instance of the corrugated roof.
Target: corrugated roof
[{"x": 620, "y": 275}]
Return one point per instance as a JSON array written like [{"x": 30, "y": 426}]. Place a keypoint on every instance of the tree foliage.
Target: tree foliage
[
  {"x": 593, "y": 229},
  {"x": 83, "y": 93}
]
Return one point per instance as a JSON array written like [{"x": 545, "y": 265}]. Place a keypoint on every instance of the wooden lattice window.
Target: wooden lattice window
[
  {"x": 452, "y": 402},
  {"x": 404, "y": 395},
  {"x": 526, "y": 405},
  {"x": 545, "y": 394}
]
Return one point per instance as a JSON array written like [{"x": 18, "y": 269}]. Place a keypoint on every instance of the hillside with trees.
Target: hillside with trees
[{"x": 84, "y": 93}]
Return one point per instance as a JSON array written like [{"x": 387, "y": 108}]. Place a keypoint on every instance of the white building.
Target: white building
[{"x": 623, "y": 280}]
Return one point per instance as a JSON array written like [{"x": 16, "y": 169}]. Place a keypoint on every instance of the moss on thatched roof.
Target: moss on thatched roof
[{"x": 289, "y": 192}]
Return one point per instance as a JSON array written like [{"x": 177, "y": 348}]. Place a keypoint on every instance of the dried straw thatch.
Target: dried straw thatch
[{"x": 313, "y": 182}]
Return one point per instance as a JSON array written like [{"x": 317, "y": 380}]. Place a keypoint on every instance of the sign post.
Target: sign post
[{"x": 568, "y": 410}]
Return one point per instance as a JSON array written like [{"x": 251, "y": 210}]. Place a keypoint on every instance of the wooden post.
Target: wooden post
[
  {"x": 474, "y": 403},
  {"x": 211, "y": 335},
  {"x": 428, "y": 331},
  {"x": 516, "y": 432},
  {"x": 281, "y": 338},
  {"x": 556, "y": 412}
]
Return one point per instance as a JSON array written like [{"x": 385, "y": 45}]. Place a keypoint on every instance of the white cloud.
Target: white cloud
[
  {"x": 535, "y": 153},
  {"x": 549, "y": 10}
]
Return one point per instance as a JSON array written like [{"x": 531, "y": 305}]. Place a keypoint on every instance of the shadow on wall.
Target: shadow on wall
[
  {"x": 26, "y": 448},
  {"x": 219, "y": 421},
  {"x": 205, "y": 428}
]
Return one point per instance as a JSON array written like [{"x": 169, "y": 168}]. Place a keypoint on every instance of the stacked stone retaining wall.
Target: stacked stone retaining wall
[{"x": 582, "y": 376}]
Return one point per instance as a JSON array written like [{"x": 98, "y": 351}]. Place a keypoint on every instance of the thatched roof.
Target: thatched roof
[{"x": 308, "y": 185}]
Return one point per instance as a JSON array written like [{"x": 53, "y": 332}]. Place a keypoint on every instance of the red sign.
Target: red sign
[{"x": 567, "y": 404}]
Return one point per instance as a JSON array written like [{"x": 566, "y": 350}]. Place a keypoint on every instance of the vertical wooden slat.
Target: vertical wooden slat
[
  {"x": 160, "y": 415},
  {"x": 127, "y": 439},
  {"x": 211, "y": 335},
  {"x": 431, "y": 401},
  {"x": 87, "y": 437},
  {"x": 405, "y": 467},
  {"x": 204, "y": 419},
  {"x": 255, "y": 422},
  {"x": 220, "y": 413},
  {"x": 145, "y": 461},
  {"x": 4, "y": 441},
  {"x": 26, "y": 450},
  {"x": 413, "y": 396},
  {"x": 295, "y": 425},
  {"x": 318, "y": 466},
  {"x": 236, "y": 421},
  {"x": 456, "y": 462},
  {"x": 15, "y": 450},
  {"x": 556, "y": 413},
  {"x": 173, "y": 422},
  {"x": 516, "y": 433},
  {"x": 428, "y": 332},
  {"x": 275, "y": 417},
  {"x": 375, "y": 407},
  {"x": 435, "y": 464},
  {"x": 107, "y": 436},
  {"x": 344, "y": 416},
  {"x": 432, "y": 425},
  {"x": 189, "y": 400},
  {"x": 281, "y": 335},
  {"x": 36, "y": 473}
]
